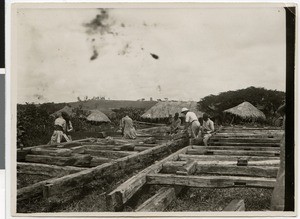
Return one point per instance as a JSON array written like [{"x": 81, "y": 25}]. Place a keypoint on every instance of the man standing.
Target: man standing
[
  {"x": 60, "y": 127},
  {"x": 175, "y": 124},
  {"x": 207, "y": 128},
  {"x": 128, "y": 128},
  {"x": 191, "y": 121}
]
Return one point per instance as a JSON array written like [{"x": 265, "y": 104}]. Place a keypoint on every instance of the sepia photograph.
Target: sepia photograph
[{"x": 160, "y": 109}]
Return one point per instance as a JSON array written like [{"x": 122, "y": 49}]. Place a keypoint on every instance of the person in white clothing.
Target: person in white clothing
[
  {"x": 191, "y": 121},
  {"x": 207, "y": 129}
]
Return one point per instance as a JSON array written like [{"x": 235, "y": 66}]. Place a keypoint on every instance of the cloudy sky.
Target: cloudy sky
[{"x": 195, "y": 52}]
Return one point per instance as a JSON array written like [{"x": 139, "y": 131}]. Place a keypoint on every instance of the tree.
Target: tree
[{"x": 266, "y": 100}]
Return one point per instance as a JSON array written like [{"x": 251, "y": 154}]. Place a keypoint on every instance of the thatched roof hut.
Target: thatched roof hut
[
  {"x": 97, "y": 116},
  {"x": 246, "y": 110},
  {"x": 165, "y": 108},
  {"x": 69, "y": 110}
]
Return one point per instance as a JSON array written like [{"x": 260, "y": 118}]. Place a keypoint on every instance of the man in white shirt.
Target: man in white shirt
[
  {"x": 191, "y": 121},
  {"x": 207, "y": 128}
]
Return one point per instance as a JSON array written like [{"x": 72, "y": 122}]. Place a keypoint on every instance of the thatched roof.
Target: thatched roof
[
  {"x": 246, "y": 110},
  {"x": 67, "y": 109},
  {"x": 165, "y": 108},
  {"x": 97, "y": 116}
]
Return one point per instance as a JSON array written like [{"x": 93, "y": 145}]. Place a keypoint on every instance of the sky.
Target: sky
[{"x": 180, "y": 54}]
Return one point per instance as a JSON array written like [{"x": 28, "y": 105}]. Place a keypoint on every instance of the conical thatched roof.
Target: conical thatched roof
[
  {"x": 246, "y": 110},
  {"x": 97, "y": 116},
  {"x": 67, "y": 109},
  {"x": 165, "y": 108}
]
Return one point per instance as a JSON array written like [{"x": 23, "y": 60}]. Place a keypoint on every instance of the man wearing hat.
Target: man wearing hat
[{"x": 192, "y": 121}]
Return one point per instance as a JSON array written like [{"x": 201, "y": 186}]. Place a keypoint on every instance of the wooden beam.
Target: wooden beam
[
  {"x": 96, "y": 161},
  {"x": 265, "y": 171},
  {"x": 126, "y": 190},
  {"x": 172, "y": 166},
  {"x": 56, "y": 188},
  {"x": 223, "y": 157},
  {"x": 47, "y": 170},
  {"x": 188, "y": 169},
  {"x": 140, "y": 148},
  {"x": 160, "y": 201},
  {"x": 246, "y": 148},
  {"x": 274, "y": 163},
  {"x": 210, "y": 181},
  {"x": 79, "y": 160},
  {"x": 56, "y": 152},
  {"x": 253, "y": 140},
  {"x": 235, "y": 205},
  {"x": 245, "y": 144},
  {"x": 109, "y": 154},
  {"x": 206, "y": 151}
]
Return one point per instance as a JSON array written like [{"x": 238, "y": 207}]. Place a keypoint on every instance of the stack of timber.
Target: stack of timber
[
  {"x": 68, "y": 167},
  {"x": 236, "y": 157}
]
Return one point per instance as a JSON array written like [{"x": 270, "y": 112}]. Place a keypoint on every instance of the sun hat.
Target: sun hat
[{"x": 184, "y": 109}]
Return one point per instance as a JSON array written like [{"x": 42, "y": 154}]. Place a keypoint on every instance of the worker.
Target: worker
[
  {"x": 207, "y": 128},
  {"x": 191, "y": 121},
  {"x": 59, "y": 130},
  {"x": 69, "y": 126},
  {"x": 128, "y": 128},
  {"x": 175, "y": 124}
]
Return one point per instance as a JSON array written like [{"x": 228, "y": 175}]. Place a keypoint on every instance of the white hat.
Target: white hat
[{"x": 184, "y": 109}]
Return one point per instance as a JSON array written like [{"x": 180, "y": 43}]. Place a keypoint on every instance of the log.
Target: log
[
  {"x": 57, "y": 152},
  {"x": 59, "y": 187},
  {"x": 96, "y": 161},
  {"x": 235, "y": 205},
  {"x": 206, "y": 151},
  {"x": 47, "y": 170},
  {"x": 79, "y": 160},
  {"x": 126, "y": 190},
  {"x": 246, "y": 148},
  {"x": 224, "y": 157},
  {"x": 269, "y": 172},
  {"x": 140, "y": 148},
  {"x": 210, "y": 181},
  {"x": 160, "y": 201},
  {"x": 172, "y": 166},
  {"x": 103, "y": 147},
  {"x": 109, "y": 154},
  {"x": 188, "y": 169}
]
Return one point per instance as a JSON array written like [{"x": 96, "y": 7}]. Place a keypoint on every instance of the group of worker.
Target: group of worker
[{"x": 198, "y": 130}]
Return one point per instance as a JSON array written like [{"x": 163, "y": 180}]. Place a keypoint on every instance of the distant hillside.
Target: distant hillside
[
  {"x": 96, "y": 104},
  {"x": 113, "y": 104}
]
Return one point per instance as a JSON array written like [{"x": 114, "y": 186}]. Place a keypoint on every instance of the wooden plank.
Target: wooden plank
[
  {"x": 235, "y": 205},
  {"x": 47, "y": 170},
  {"x": 245, "y": 144},
  {"x": 246, "y": 148},
  {"x": 63, "y": 185},
  {"x": 109, "y": 154},
  {"x": 274, "y": 163},
  {"x": 258, "y": 171},
  {"x": 126, "y": 190},
  {"x": 140, "y": 148},
  {"x": 223, "y": 157},
  {"x": 79, "y": 160},
  {"x": 253, "y": 140},
  {"x": 205, "y": 151},
  {"x": 160, "y": 201},
  {"x": 210, "y": 181}
]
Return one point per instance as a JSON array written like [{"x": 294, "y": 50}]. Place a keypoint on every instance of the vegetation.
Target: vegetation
[{"x": 265, "y": 100}]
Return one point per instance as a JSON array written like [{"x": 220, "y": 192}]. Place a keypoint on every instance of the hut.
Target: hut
[
  {"x": 163, "y": 109},
  {"x": 97, "y": 116},
  {"x": 246, "y": 111},
  {"x": 68, "y": 109}
]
